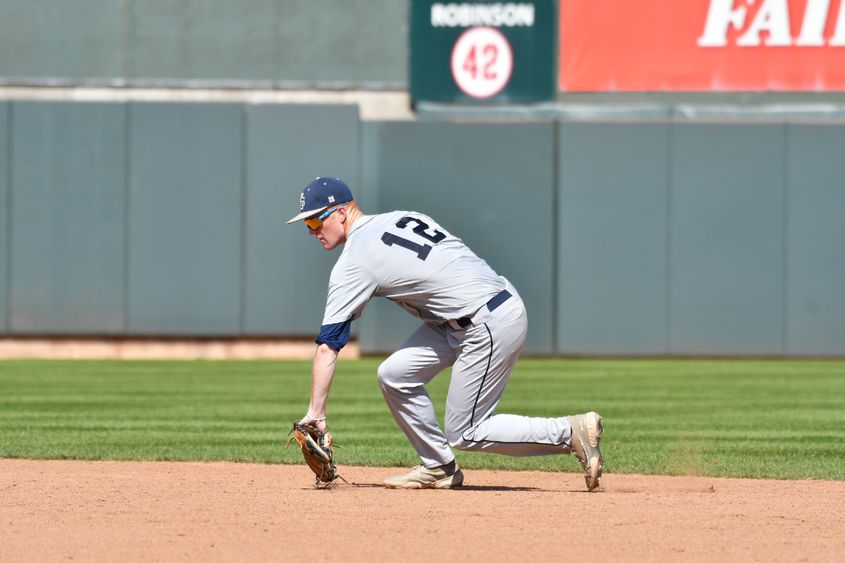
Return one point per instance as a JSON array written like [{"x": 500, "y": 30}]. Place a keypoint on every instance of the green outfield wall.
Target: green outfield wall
[
  {"x": 287, "y": 43},
  {"x": 5, "y": 206},
  {"x": 623, "y": 237}
]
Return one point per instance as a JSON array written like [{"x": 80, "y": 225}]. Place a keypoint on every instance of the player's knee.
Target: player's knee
[
  {"x": 389, "y": 373},
  {"x": 457, "y": 442},
  {"x": 459, "y": 438}
]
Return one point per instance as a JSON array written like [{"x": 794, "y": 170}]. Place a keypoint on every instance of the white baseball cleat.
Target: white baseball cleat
[
  {"x": 420, "y": 477},
  {"x": 586, "y": 435}
]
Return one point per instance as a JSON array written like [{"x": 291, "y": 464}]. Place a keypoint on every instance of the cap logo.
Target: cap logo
[
  {"x": 301, "y": 201},
  {"x": 331, "y": 199}
]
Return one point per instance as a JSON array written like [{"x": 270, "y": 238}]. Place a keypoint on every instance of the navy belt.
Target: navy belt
[{"x": 491, "y": 305}]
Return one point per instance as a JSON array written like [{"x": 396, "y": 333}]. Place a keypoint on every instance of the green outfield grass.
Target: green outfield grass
[{"x": 781, "y": 419}]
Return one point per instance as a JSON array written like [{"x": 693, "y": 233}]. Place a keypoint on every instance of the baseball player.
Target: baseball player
[{"x": 472, "y": 319}]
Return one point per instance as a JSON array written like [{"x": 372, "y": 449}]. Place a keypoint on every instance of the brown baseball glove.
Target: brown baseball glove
[{"x": 317, "y": 450}]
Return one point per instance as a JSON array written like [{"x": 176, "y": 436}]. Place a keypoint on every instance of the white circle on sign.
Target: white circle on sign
[{"x": 482, "y": 62}]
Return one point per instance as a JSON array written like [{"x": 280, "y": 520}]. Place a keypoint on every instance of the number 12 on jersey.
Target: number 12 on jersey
[{"x": 421, "y": 229}]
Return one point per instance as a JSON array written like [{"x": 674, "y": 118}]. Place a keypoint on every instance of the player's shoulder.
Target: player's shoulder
[
  {"x": 416, "y": 219},
  {"x": 393, "y": 216},
  {"x": 371, "y": 228},
  {"x": 378, "y": 222},
  {"x": 352, "y": 264}
]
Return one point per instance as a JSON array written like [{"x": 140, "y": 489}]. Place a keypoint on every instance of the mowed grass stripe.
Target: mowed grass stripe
[{"x": 778, "y": 419}]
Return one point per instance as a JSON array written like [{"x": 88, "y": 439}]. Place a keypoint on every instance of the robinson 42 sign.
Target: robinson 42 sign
[
  {"x": 482, "y": 51},
  {"x": 482, "y": 62}
]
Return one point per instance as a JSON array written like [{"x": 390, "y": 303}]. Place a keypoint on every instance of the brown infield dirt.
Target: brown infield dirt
[{"x": 163, "y": 511}]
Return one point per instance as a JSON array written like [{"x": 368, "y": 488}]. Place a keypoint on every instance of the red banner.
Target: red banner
[{"x": 702, "y": 45}]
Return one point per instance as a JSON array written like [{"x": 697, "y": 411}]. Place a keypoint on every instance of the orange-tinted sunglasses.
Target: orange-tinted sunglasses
[{"x": 315, "y": 223}]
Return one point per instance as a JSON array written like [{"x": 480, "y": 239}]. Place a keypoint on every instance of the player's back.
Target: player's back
[{"x": 420, "y": 265}]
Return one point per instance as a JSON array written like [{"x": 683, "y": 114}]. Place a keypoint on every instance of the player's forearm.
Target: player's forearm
[{"x": 322, "y": 373}]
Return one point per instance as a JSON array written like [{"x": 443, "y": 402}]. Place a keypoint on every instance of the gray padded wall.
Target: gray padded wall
[
  {"x": 67, "y": 216},
  {"x": 490, "y": 184},
  {"x": 263, "y": 42},
  {"x": 816, "y": 240},
  {"x": 677, "y": 238},
  {"x": 346, "y": 41},
  {"x": 350, "y": 41},
  {"x": 613, "y": 235},
  {"x": 201, "y": 39},
  {"x": 727, "y": 239},
  {"x": 5, "y": 224},
  {"x": 49, "y": 39},
  {"x": 185, "y": 218},
  {"x": 287, "y": 271}
]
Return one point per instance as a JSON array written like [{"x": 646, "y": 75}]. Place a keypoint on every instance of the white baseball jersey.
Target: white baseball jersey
[{"x": 413, "y": 261}]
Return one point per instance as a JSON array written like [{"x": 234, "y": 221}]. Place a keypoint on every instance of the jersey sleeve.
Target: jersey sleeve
[
  {"x": 350, "y": 289},
  {"x": 335, "y": 336}
]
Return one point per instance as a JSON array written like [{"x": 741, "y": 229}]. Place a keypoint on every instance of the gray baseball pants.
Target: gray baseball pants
[{"x": 482, "y": 357}]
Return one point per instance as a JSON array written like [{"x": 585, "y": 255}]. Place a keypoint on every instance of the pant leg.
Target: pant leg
[
  {"x": 402, "y": 377},
  {"x": 489, "y": 349}
]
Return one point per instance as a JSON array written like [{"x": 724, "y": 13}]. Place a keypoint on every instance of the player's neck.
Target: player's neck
[{"x": 353, "y": 215}]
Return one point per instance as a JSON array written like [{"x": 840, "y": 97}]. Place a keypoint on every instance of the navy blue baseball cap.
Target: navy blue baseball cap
[{"x": 321, "y": 194}]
